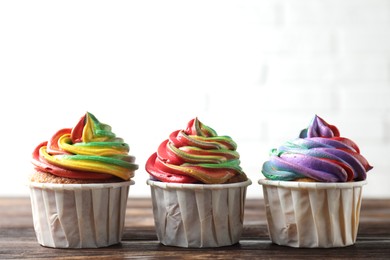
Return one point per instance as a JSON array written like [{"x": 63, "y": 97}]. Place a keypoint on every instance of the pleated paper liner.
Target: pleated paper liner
[
  {"x": 311, "y": 214},
  {"x": 198, "y": 215},
  {"x": 79, "y": 215}
]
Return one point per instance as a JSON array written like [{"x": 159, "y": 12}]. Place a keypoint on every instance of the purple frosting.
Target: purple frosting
[
  {"x": 320, "y": 154},
  {"x": 319, "y": 128}
]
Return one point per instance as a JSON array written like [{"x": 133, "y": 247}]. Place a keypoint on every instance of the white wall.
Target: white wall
[{"x": 255, "y": 70}]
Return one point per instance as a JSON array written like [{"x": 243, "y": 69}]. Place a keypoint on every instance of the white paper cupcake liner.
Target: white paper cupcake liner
[
  {"x": 79, "y": 215},
  {"x": 311, "y": 214},
  {"x": 198, "y": 215}
]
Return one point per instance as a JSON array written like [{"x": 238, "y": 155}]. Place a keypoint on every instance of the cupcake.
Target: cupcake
[
  {"x": 80, "y": 185},
  {"x": 198, "y": 188},
  {"x": 313, "y": 188}
]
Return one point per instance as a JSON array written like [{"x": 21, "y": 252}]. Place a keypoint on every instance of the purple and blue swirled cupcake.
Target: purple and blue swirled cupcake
[
  {"x": 319, "y": 154},
  {"x": 313, "y": 188}
]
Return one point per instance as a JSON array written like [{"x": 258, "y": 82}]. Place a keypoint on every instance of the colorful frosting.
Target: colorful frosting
[
  {"x": 196, "y": 155},
  {"x": 88, "y": 151},
  {"x": 319, "y": 154}
]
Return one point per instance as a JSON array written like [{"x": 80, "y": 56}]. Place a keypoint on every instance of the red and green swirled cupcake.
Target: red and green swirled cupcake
[
  {"x": 196, "y": 154},
  {"x": 198, "y": 188}
]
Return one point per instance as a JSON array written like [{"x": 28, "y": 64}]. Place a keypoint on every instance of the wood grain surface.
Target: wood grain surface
[{"x": 17, "y": 237}]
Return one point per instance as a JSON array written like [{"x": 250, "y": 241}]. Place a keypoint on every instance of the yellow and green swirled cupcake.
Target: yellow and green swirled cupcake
[
  {"x": 80, "y": 185},
  {"x": 88, "y": 152}
]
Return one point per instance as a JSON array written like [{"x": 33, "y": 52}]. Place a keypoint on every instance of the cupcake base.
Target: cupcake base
[
  {"x": 311, "y": 214},
  {"x": 79, "y": 215},
  {"x": 198, "y": 215}
]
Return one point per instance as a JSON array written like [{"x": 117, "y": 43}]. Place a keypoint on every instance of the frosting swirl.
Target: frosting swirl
[
  {"x": 196, "y": 154},
  {"x": 319, "y": 154},
  {"x": 88, "y": 151}
]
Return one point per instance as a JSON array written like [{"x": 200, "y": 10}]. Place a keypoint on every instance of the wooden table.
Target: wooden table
[{"x": 17, "y": 237}]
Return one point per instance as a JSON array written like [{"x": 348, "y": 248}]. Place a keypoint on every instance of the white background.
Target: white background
[{"x": 255, "y": 70}]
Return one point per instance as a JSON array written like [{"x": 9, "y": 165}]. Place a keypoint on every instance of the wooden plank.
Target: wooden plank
[
  {"x": 17, "y": 237},
  {"x": 26, "y": 246}
]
